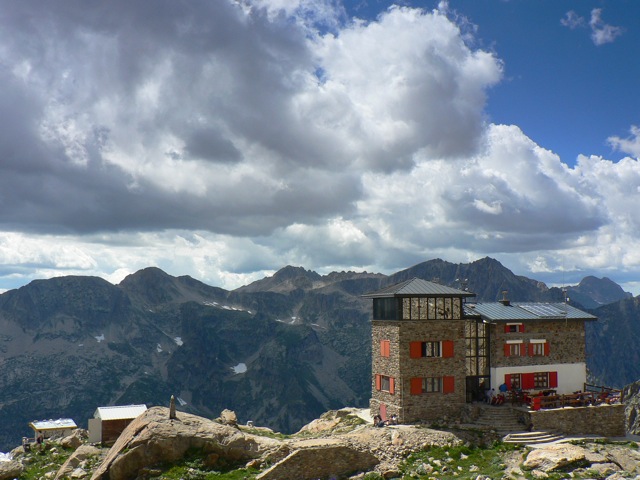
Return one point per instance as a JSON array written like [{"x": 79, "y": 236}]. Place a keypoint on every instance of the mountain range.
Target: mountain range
[{"x": 279, "y": 351}]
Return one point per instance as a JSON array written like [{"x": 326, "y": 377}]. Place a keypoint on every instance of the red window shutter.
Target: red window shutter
[
  {"x": 553, "y": 379},
  {"x": 415, "y": 349},
  {"x": 527, "y": 381},
  {"x": 378, "y": 382},
  {"x": 416, "y": 386},
  {"x": 507, "y": 350},
  {"x": 447, "y": 348},
  {"x": 546, "y": 348},
  {"x": 385, "y": 348},
  {"x": 392, "y": 385},
  {"x": 507, "y": 380},
  {"x": 448, "y": 384},
  {"x": 521, "y": 328},
  {"x": 531, "y": 349},
  {"x": 506, "y": 328}
]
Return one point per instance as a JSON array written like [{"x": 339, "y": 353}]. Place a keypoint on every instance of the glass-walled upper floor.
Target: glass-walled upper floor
[{"x": 417, "y": 308}]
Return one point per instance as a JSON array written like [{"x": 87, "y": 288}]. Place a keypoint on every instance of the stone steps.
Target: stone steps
[
  {"x": 505, "y": 420},
  {"x": 502, "y": 419},
  {"x": 532, "y": 438}
]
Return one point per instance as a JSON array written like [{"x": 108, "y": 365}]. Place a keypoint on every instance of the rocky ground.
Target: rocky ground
[{"x": 340, "y": 444}]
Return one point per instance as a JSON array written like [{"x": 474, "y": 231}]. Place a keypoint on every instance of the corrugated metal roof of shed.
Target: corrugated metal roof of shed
[
  {"x": 53, "y": 424},
  {"x": 418, "y": 287},
  {"x": 119, "y": 412},
  {"x": 496, "y": 311}
]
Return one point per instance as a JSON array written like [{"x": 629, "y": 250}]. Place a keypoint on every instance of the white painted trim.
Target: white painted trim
[
  {"x": 513, "y": 323},
  {"x": 537, "y": 340},
  {"x": 514, "y": 341}
]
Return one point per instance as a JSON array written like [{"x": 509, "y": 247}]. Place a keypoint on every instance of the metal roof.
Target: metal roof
[
  {"x": 417, "y": 287},
  {"x": 497, "y": 311},
  {"x": 119, "y": 412},
  {"x": 58, "y": 424}
]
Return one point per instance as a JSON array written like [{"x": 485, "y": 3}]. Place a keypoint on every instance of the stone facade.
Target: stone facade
[
  {"x": 566, "y": 343},
  {"x": 605, "y": 420},
  {"x": 402, "y": 368}
]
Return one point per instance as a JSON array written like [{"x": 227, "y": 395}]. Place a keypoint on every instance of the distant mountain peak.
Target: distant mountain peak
[
  {"x": 289, "y": 272},
  {"x": 592, "y": 292}
]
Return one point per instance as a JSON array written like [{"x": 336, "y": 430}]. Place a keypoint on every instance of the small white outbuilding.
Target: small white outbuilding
[{"x": 108, "y": 422}]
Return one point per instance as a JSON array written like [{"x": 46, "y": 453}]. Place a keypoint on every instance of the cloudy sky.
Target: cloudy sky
[{"x": 225, "y": 139}]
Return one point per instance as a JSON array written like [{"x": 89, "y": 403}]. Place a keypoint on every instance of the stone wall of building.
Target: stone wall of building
[
  {"x": 389, "y": 366},
  {"x": 566, "y": 343},
  {"x": 605, "y": 420},
  {"x": 400, "y": 365}
]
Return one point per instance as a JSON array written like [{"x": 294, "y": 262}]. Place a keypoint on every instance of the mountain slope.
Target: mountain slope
[{"x": 280, "y": 351}]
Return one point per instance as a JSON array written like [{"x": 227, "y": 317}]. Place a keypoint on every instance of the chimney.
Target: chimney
[{"x": 505, "y": 301}]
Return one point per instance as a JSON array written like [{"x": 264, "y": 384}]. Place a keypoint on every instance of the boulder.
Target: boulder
[
  {"x": 555, "y": 457},
  {"x": 73, "y": 462},
  {"x": 10, "y": 470},
  {"x": 330, "y": 460},
  {"x": 628, "y": 459},
  {"x": 75, "y": 439},
  {"x": 228, "y": 417},
  {"x": 154, "y": 438}
]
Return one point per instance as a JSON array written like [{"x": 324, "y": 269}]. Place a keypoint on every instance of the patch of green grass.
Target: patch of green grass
[
  {"x": 264, "y": 433},
  {"x": 39, "y": 462},
  {"x": 458, "y": 462},
  {"x": 192, "y": 467},
  {"x": 186, "y": 472}
]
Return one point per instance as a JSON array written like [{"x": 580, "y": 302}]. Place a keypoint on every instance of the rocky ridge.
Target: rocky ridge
[{"x": 341, "y": 444}]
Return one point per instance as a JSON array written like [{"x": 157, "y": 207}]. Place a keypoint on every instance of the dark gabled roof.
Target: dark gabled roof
[
  {"x": 416, "y": 287},
  {"x": 499, "y": 312}
]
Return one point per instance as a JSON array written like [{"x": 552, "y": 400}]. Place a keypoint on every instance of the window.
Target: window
[
  {"x": 385, "y": 348},
  {"x": 431, "y": 384},
  {"x": 513, "y": 381},
  {"x": 385, "y": 383},
  {"x": 530, "y": 381},
  {"x": 424, "y": 385},
  {"x": 541, "y": 380},
  {"x": 513, "y": 348},
  {"x": 514, "y": 328},
  {"x": 430, "y": 308},
  {"x": 384, "y": 309},
  {"x": 431, "y": 349},
  {"x": 538, "y": 348}
]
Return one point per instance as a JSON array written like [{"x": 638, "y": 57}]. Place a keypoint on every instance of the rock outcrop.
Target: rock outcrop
[
  {"x": 325, "y": 460},
  {"x": 154, "y": 438},
  {"x": 631, "y": 395},
  {"x": 77, "y": 460},
  {"x": 10, "y": 470}
]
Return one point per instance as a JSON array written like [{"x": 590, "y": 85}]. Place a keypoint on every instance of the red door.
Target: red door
[{"x": 383, "y": 411}]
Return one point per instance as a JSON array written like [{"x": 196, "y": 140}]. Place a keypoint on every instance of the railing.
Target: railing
[
  {"x": 548, "y": 399},
  {"x": 578, "y": 399},
  {"x": 602, "y": 390}
]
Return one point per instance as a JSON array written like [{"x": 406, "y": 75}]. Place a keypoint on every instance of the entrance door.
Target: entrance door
[
  {"x": 383, "y": 411},
  {"x": 476, "y": 386}
]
